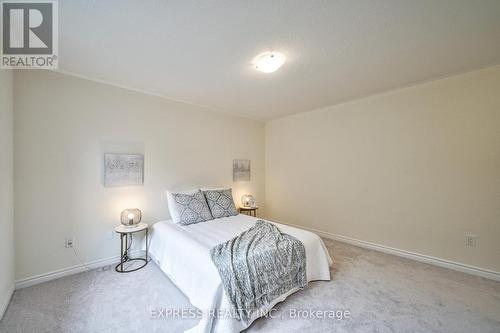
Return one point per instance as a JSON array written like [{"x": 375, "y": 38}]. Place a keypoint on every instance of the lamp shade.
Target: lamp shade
[
  {"x": 131, "y": 217},
  {"x": 247, "y": 200}
]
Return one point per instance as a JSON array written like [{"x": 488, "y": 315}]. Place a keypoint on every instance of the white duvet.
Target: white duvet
[{"x": 183, "y": 253}]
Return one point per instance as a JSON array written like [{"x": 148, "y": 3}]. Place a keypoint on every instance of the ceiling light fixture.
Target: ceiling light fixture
[{"x": 269, "y": 62}]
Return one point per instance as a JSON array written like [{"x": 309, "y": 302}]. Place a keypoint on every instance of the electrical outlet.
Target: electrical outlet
[
  {"x": 69, "y": 242},
  {"x": 470, "y": 240}
]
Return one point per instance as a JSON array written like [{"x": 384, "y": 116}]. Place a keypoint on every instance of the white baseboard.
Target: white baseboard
[
  {"x": 6, "y": 301},
  {"x": 31, "y": 281},
  {"x": 485, "y": 273}
]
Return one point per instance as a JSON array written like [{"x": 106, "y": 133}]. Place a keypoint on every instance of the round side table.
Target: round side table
[
  {"x": 251, "y": 211},
  {"x": 125, "y": 232}
]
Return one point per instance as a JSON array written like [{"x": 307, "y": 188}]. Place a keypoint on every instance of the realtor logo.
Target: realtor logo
[{"x": 29, "y": 34}]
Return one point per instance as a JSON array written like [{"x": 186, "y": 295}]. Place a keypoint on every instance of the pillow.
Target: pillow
[
  {"x": 172, "y": 207},
  {"x": 188, "y": 207},
  {"x": 215, "y": 188},
  {"x": 221, "y": 203}
]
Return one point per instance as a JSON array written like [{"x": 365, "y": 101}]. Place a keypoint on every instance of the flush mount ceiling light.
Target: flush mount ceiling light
[{"x": 269, "y": 62}]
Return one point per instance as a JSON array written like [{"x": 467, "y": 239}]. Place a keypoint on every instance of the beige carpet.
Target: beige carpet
[{"x": 383, "y": 293}]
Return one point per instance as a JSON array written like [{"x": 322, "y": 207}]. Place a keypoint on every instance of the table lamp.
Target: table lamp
[
  {"x": 131, "y": 217},
  {"x": 247, "y": 200}
]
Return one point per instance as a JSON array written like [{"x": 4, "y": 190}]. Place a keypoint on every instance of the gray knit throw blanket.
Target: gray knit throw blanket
[{"x": 258, "y": 266}]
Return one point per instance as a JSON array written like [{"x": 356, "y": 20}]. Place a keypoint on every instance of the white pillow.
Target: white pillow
[
  {"x": 172, "y": 207},
  {"x": 218, "y": 188}
]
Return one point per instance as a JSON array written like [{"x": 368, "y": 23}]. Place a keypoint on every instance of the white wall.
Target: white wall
[
  {"x": 63, "y": 125},
  {"x": 413, "y": 169},
  {"x": 6, "y": 190}
]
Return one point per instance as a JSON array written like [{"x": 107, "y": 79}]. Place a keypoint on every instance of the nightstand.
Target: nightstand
[
  {"x": 250, "y": 211},
  {"x": 126, "y": 232}
]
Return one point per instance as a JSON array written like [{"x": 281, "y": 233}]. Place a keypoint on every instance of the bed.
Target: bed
[{"x": 183, "y": 254}]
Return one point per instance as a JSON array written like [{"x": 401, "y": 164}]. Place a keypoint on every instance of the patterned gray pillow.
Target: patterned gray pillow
[
  {"x": 221, "y": 203},
  {"x": 192, "y": 208}
]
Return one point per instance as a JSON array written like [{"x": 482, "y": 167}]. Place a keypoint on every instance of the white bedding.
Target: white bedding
[{"x": 183, "y": 253}]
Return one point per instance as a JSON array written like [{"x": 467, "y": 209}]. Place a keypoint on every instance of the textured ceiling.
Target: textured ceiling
[{"x": 200, "y": 51}]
